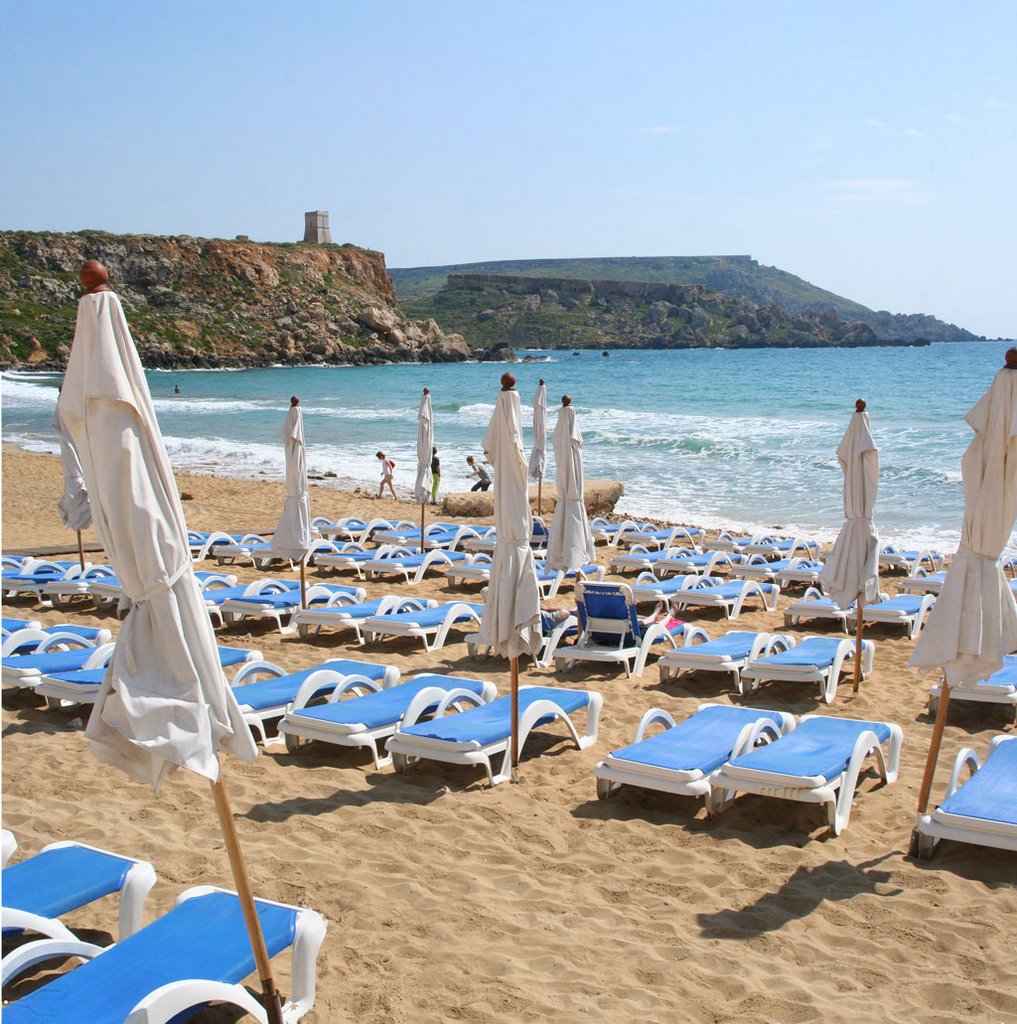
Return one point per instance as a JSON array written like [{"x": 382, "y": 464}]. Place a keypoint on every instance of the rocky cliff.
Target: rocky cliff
[
  {"x": 198, "y": 302},
  {"x": 545, "y": 312}
]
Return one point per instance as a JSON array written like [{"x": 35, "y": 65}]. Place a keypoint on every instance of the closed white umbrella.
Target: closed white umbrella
[
  {"x": 538, "y": 456},
  {"x": 851, "y": 572},
  {"x": 292, "y": 537},
  {"x": 569, "y": 541},
  {"x": 510, "y": 622},
  {"x": 75, "y": 513},
  {"x": 164, "y": 702},
  {"x": 425, "y": 448},
  {"x": 973, "y": 623}
]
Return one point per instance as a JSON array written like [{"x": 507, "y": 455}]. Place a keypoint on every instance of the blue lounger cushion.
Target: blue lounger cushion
[
  {"x": 51, "y": 661},
  {"x": 733, "y": 589},
  {"x": 909, "y": 604},
  {"x": 13, "y": 625},
  {"x": 292, "y": 596},
  {"x": 818, "y": 748},
  {"x": 702, "y": 742},
  {"x": 412, "y": 561},
  {"x": 386, "y": 707},
  {"x": 85, "y": 632},
  {"x": 228, "y": 657},
  {"x": 203, "y": 937},
  {"x": 56, "y": 881},
  {"x": 492, "y": 723},
  {"x": 736, "y": 645},
  {"x": 814, "y": 650},
  {"x": 363, "y": 610},
  {"x": 991, "y": 793},
  {"x": 273, "y": 693}
]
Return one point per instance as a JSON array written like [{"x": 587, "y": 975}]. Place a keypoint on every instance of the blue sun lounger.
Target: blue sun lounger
[
  {"x": 35, "y": 574},
  {"x": 923, "y": 582},
  {"x": 107, "y": 590},
  {"x": 818, "y": 763},
  {"x": 431, "y": 625},
  {"x": 480, "y": 733},
  {"x": 729, "y": 653},
  {"x": 196, "y": 954},
  {"x": 684, "y": 757},
  {"x": 61, "y": 878},
  {"x": 704, "y": 564},
  {"x": 412, "y": 566},
  {"x": 814, "y": 605},
  {"x": 910, "y": 560},
  {"x": 350, "y": 555},
  {"x": 759, "y": 568},
  {"x": 815, "y": 659},
  {"x": 273, "y": 690},
  {"x": 730, "y": 597},
  {"x": 28, "y": 669},
  {"x": 81, "y": 685},
  {"x": 342, "y": 614},
  {"x": 667, "y": 537},
  {"x": 982, "y": 810},
  {"x": 283, "y": 604},
  {"x": 363, "y": 720},
  {"x": 612, "y": 631},
  {"x": 907, "y": 610},
  {"x": 13, "y": 625},
  {"x": 999, "y": 688}
]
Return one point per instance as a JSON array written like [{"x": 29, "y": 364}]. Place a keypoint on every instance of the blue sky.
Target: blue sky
[{"x": 868, "y": 147}]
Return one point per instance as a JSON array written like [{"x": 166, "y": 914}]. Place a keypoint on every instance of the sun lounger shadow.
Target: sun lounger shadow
[
  {"x": 383, "y": 788},
  {"x": 800, "y": 896}
]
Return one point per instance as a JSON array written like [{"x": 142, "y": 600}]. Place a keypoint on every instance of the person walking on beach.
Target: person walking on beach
[
  {"x": 387, "y": 466},
  {"x": 477, "y": 470},
  {"x": 435, "y": 475}
]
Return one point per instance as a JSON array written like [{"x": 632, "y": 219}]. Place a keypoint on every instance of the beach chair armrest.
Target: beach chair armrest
[
  {"x": 456, "y": 698},
  {"x": 250, "y": 669},
  {"x": 655, "y": 716},
  {"x": 695, "y": 635},
  {"x": 170, "y": 1001},
  {"x": 40, "y": 950},
  {"x": 966, "y": 758}
]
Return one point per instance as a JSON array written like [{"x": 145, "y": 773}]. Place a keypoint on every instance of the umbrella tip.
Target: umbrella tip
[
  {"x": 427, "y": 391},
  {"x": 860, "y": 405},
  {"x": 508, "y": 381},
  {"x": 294, "y": 400},
  {"x": 541, "y": 381},
  {"x": 94, "y": 276},
  {"x": 566, "y": 400},
  {"x": 1011, "y": 359}
]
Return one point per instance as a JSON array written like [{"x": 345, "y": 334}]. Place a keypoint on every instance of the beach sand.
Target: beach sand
[{"x": 449, "y": 901}]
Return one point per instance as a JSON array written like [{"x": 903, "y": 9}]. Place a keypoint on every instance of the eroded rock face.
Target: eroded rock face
[{"x": 196, "y": 302}]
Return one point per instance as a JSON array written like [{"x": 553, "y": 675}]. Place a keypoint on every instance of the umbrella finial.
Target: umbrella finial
[
  {"x": 1011, "y": 359},
  {"x": 566, "y": 400},
  {"x": 427, "y": 391},
  {"x": 294, "y": 400},
  {"x": 860, "y": 405},
  {"x": 94, "y": 277},
  {"x": 541, "y": 381},
  {"x": 508, "y": 381}
]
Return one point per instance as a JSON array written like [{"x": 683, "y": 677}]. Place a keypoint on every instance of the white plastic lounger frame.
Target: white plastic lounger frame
[
  {"x": 922, "y": 582},
  {"x": 688, "y": 658},
  {"x": 98, "y": 658},
  {"x": 912, "y": 623},
  {"x": 236, "y": 611},
  {"x": 50, "y": 641},
  {"x": 8, "y": 844},
  {"x": 298, "y": 728},
  {"x": 756, "y": 672},
  {"x": 781, "y": 547},
  {"x": 379, "y": 626},
  {"x": 891, "y": 558},
  {"x": 405, "y": 749},
  {"x": 835, "y": 794},
  {"x": 549, "y": 645},
  {"x": 138, "y": 882},
  {"x": 679, "y": 536},
  {"x": 477, "y": 570},
  {"x": 682, "y": 563},
  {"x": 963, "y": 828},
  {"x": 388, "y": 564},
  {"x": 813, "y": 604},
  {"x": 613, "y": 772},
  {"x": 1000, "y": 688}
]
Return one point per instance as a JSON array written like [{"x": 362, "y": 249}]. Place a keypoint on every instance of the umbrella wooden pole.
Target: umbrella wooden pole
[
  {"x": 515, "y": 712},
  {"x": 421, "y": 526},
  {"x": 934, "y": 744},
  {"x": 273, "y": 1003},
  {"x": 81, "y": 550},
  {"x": 303, "y": 582},
  {"x": 858, "y": 643},
  {"x": 540, "y": 484}
]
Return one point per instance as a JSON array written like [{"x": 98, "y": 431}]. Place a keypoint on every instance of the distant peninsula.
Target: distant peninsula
[{"x": 653, "y": 302}]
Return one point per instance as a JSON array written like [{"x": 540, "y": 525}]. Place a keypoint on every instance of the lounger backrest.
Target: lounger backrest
[{"x": 607, "y": 613}]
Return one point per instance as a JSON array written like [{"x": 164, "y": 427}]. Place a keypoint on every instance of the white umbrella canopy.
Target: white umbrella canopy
[
  {"x": 425, "y": 444},
  {"x": 164, "y": 702},
  {"x": 538, "y": 456},
  {"x": 974, "y": 621},
  {"x": 73, "y": 503},
  {"x": 510, "y": 623},
  {"x": 569, "y": 541},
  {"x": 292, "y": 537},
  {"x": 852, "y": 570}
]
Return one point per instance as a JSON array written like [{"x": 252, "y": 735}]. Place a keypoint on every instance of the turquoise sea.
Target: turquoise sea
[{"x": 744, "y": 439}]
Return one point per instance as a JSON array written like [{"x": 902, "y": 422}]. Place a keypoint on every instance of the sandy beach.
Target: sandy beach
[{"x": 450, "y": 901}]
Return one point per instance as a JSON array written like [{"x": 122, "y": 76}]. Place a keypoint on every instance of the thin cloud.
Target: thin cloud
[
  {"x": 876, "y": 190},
  {"x": 659, "y": 129},
  {"x": 954, "y": 118},
  {"x": 994, "y": 104},
  {"x": 914, "y": 133},
  {"x": 874, "y": 122}
]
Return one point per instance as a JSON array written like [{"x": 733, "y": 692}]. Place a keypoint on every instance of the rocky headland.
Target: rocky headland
[{"x": 209, "y": 302}]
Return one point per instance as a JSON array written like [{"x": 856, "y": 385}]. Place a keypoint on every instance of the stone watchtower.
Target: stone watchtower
[{"x": 316, "y": 227}]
